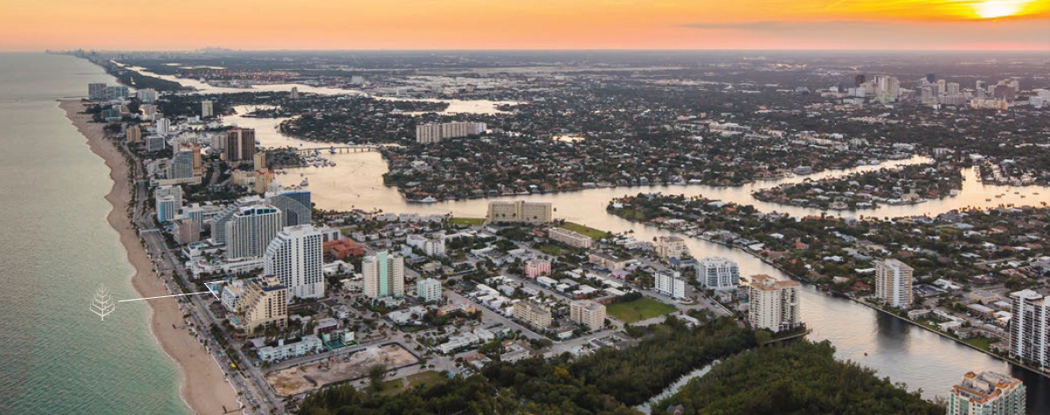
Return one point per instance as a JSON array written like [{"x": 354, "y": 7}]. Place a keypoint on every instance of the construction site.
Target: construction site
[{"x": 304, "y": 378}]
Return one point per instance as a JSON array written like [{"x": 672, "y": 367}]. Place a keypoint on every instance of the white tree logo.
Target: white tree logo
[{"x": 102, "y": 305}]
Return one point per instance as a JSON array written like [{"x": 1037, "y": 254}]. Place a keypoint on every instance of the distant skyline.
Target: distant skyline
[{"x": 527, "y": 24}]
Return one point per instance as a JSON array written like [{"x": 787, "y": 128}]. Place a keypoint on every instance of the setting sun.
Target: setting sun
[{"x": 998, "y": 8}]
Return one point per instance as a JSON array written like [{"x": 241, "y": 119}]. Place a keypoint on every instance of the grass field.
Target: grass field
[
  {"x": 641, "y": 309},
  {"x": 552, "y": 250},
  {"x": 982, "y": 343},
  {"x": 467, "y": 221},
  {"x": 393, "y": 387},
  {"x": 593, "y": 233}
]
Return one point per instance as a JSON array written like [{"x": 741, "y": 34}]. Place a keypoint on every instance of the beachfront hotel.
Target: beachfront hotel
[
  {"x": 250, "y": 230},
  {"x": 296, "y": 257},
  {"x": 263, "y": 303},
  {"x": 773, "y": 305}
]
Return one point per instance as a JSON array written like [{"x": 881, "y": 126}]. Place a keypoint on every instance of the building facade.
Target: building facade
[
  {"x": 250, "y": 230},
  {"x": 240, "y": 145},
  {"x": 671, "y": 247},
  {"x": 295, "y": 205},
  {"x": 296, "y": 257},
  {"x": 535, "y": 268},
  {"x": 429, "y": 290},
  {"x": 587, "y": 313},
  {"x": 718, "y": 273},
  {"x": 263, "y": 303},
  {"x": 168, "y": 202},
  {"x": 436, "y": 132},
  {"x": 520, "y": 212},
  {"x": 773, "y": 305},
  {"x": 570, "y": 238},
  {"x": 384, "y": 275},
  {"x": 987, "y": 393},
  {"x": 535, "y": 315},
  {"x": 1030, "y": 327},
  {"x": 670, "y": 283},
  {"x": 893, "y": 283}
]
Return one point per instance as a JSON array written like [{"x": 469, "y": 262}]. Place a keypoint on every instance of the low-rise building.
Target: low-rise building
[
  {"x": 307, "y": 345},
  {"x": 429, "y": 290},
  {"x": 671, "y": 247},
  {"x": 607, "y": 261},
  {"x": 519, "y": 212},
  {"x": 570, "y": 238},
  {"x": 587, "y": 313},
  {"x": 533, "y": 314},
  {"x": 535, "y": 268}
]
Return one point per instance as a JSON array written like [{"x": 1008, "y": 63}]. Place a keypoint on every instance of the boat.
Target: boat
[{"x": 428, "y": 199}]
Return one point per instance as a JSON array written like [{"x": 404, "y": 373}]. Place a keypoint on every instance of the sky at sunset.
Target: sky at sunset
[{"x": 525, "y": 24}]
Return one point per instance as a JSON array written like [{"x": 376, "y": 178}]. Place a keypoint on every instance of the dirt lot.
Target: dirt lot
[{"x": 299, "y": 379}]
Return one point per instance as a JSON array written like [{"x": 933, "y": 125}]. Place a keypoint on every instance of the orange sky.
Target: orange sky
[{"x": 525, "y": 24}]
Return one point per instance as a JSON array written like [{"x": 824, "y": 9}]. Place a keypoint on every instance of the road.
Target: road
[{"x": 251, "y": 385}]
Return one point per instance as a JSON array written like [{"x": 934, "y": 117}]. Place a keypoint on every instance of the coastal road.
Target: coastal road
[{"x": 253, "y": 387}]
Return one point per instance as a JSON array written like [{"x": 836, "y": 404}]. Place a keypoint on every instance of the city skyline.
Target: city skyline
[{"x": 589, "y": 24}]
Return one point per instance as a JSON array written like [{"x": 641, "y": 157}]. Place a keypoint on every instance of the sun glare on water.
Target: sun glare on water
[{"x": 997, "y": 8}]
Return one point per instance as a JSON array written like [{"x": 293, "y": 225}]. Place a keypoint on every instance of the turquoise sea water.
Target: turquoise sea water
[{"x": 55, "y": 248}]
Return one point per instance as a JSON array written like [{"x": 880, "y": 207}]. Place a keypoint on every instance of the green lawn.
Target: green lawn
[
  {"x": 552, "y": 250},
  {"x": 593, "y": 233},
  {"x": 982, "y": 343},
  {"x": 641, "y": 309},
  {"x": 467, "y": 221},
  {"x": 393, "y": 387}
]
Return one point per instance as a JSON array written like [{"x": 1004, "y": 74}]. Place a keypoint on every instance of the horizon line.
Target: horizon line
[{"x": 841, "y": 50}]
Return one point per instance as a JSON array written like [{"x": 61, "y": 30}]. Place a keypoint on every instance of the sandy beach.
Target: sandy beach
[{"x": 203, "y": 385}]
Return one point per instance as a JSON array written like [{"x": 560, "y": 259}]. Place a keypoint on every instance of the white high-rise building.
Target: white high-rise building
[
  {"x": 431, "y": 245},
  {"x": 1030, "y": 327},
  {"x": 893, "y": 283},
  {"x": 163, "y": 126},
  {"x": 670, "y": 283},
  {"x": 384, "y": 275},
  {"x": 718, "y": 273},
  {"x": 428, "y": 289},
  {"x": 773, "y": 305},
  {"x": 250, "y": 230},
  {"x": 434, "y": 133},
  {"x": 168, "y": 201},
  {"x": 146, "y": 95},
  {"x": 207, "y": 108},
  {"x": 296, "y": 258},
  {"x": 987, "y": 393}
]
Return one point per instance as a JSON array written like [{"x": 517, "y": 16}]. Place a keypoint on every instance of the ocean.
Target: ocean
[{"x": 55, "y": 249}]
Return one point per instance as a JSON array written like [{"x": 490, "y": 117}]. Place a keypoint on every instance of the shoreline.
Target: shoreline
[{"x": 203, "y": 386}]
